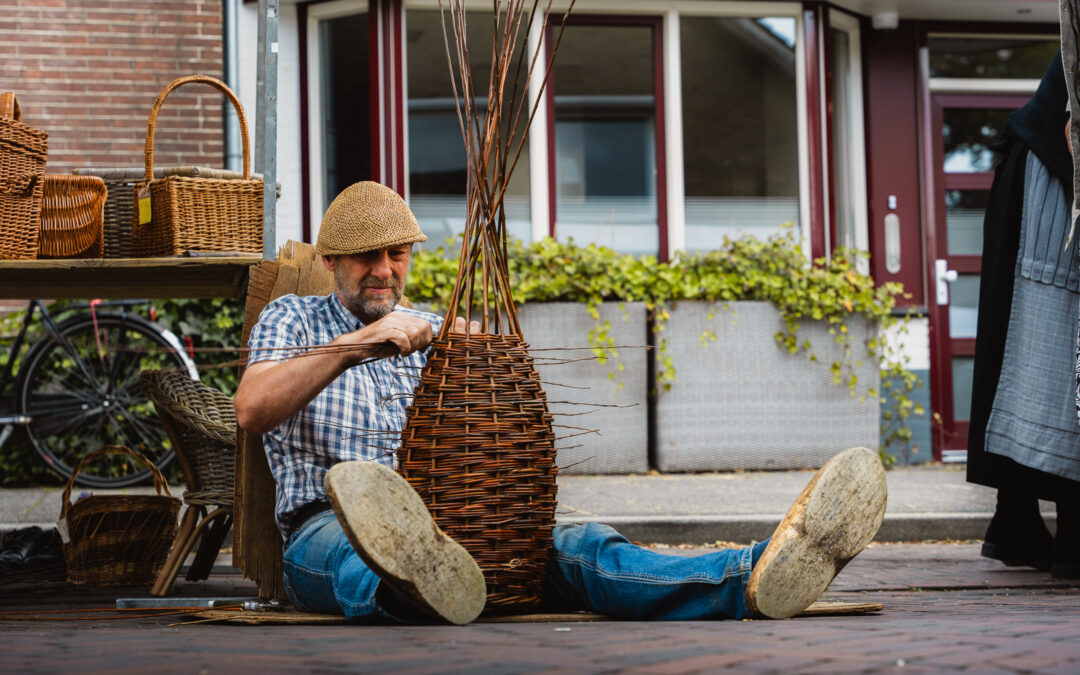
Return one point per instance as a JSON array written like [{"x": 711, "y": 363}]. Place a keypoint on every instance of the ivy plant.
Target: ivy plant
[{"x": 775, "y": 269}]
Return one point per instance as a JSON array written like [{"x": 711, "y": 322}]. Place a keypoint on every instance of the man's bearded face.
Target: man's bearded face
[{"x": 371, "y": 284}]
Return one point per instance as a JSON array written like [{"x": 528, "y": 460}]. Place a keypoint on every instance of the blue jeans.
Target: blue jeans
[{"x": 591, "y": 567}]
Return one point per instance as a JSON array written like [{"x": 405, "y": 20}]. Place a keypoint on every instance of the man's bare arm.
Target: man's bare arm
[{"x": 271, "y": 392}]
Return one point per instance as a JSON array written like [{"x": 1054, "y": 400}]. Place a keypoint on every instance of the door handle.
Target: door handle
[{"x": 943, "y": 275}]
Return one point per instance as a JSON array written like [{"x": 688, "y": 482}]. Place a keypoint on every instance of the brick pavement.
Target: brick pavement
[{"x": 946, "y": 610}]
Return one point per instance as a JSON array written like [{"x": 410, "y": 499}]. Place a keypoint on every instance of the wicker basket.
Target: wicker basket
[
  {"x": 23, "y": 151},
  {"x": 119, "y": 207},
  {"x": 479, "y": 449},
  {"x": 194, "y": 213},
  {"x": 71, "y": 217},
  {"x": 120, "y": 204},
  {"x": 118, "y": 540}
]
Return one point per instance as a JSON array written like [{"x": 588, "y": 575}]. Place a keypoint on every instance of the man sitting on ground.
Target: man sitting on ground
[{"x": 359, "y": 540}]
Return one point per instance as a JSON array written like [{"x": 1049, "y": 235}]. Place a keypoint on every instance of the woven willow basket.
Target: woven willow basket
[
  {"x": 71, "y": 217},
  {"x": 191, "y": 213},
  {"x": 118, "y": 540},
  {"x": 479, "y": 449},
  {"x": 23, "y": 150}
]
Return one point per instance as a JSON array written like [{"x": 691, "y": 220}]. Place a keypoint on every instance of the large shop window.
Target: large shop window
[
  {"x": 740, "y": 143},
  {"x": 437, "y": 170},
  {"x": 344, "y": 104},
  {"x": 605, "y": 138}
]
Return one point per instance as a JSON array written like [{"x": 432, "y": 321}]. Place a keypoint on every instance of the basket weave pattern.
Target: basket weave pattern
[
  {"x": 195, "y": 213},
  {"x": 23, "y": 151},
  {"x": 479, "y": 449},
  {"x": 71, "y": 217},
  {"x": 118, "y": 540}
]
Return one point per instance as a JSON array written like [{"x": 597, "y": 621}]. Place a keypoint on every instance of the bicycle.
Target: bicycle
[{"x": 77, "y": 389}]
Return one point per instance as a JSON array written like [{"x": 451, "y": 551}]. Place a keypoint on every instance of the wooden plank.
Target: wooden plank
[
  {"x": 176, "y": 277},
  {"x": 294, "y": 617},
  {"x": 257, "y": 543}
]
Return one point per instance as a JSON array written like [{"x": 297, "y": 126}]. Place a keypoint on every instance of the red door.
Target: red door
[{"x": 962, "y": 129}]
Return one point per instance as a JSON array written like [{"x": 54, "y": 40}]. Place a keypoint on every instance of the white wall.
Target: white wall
[{"x": 288, "y": 110}]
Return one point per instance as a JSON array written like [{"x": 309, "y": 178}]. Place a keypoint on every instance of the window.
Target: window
[
  {"x": 605, "y": 138},
  {"x": 740, "y": 144},
  {"x": 344, "y": 106},
  {"x": 437, "y": 169}
]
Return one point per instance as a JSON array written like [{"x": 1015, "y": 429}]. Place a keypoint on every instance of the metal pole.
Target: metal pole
[
  {"x": 266, "y": 121},
  {"x": 233, "y": 144}
]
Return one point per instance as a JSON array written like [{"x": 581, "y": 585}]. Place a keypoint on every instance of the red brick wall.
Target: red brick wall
[{"x": 87, "y": 72}]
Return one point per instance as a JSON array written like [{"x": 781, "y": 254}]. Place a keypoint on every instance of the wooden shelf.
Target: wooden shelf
[{"x": 177, "y": 277}]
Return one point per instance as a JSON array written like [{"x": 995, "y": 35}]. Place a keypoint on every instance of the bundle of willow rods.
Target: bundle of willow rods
[{"x": 477, "y": 443}]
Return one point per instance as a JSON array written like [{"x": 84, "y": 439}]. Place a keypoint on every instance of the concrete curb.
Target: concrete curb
[{"x": 747, "y": 528}]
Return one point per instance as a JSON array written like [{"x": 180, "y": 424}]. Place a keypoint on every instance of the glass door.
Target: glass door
[{"x": 965, "y": 127}]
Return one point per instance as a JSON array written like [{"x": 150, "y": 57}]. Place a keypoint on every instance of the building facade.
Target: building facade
[
  {"x": 666, "y": 126},
  {"x": 87, "y": 73}
]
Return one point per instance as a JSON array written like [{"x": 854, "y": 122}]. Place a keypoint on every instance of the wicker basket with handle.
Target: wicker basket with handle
[
  {"x": 120, "y": 203},
  {"x": 23, "y": 151},
  {"x": 189, "y": 213},
  {"x": 117, "y": 540},
  {"x": 71, "y": 217}
]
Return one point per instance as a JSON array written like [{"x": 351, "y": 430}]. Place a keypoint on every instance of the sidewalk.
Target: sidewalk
[
  {"x": 945, "y": 609},
  {"x": 925, "y": 503}
]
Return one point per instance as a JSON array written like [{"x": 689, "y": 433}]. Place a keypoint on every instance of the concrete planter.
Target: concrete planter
[
  {"x": 740, "y": 402},
  {"x": 622, "y": 443}
]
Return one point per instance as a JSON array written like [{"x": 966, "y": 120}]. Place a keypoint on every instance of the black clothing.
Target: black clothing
[{"x": 1039, "y": 127}]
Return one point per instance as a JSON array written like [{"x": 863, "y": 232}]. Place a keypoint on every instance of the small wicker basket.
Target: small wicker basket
[
  {"x": 71, "y": 217},
  {"x": 196, "y": 213},
  {"x": 23, "y": 151},
  {"x": 117, "y": 540}
]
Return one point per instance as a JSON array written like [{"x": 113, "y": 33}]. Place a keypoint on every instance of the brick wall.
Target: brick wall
[{"x": 87, "y": 72}]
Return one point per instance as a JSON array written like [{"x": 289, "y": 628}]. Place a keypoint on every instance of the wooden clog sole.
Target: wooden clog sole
[
  {"x": 835, "y": 517},
  {"x": 392, "y": 531}
]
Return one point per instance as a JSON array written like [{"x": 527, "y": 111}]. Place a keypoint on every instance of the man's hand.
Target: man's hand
[{"x": 394, "y": 334}]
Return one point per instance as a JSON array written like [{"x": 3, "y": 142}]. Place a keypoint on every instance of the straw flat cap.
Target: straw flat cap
[{"x": 366, "y": 216}]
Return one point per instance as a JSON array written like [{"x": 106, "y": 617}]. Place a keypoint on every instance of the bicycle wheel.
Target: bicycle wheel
[{"x": 81, "y": 391}]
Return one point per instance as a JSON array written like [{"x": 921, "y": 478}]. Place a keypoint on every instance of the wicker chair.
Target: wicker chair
[{"x": 201, "y": 422}]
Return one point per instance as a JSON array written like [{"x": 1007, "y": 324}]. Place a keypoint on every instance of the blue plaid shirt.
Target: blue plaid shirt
[{"x": 351, "y": 419}]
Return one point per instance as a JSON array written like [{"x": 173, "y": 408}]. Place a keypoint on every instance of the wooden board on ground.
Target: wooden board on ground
[
  {"x": 297, "y": 618},
  {"x": 822, "y": 608}
]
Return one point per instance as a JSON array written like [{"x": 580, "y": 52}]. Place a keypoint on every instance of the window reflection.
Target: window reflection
[
  {"x": 605, "y": 138},
  {"x": 968, "y": 135},
  {"x": 740, "y": 151},
  {"x": 964, "y": 213},
  {"x": 964, "y": 306},
  {"x": 1008, "y": 57},
  {"x": 963, "y": 374},
  {"x": 346, "y": 125},
  {"x": 437, "y": 169}
]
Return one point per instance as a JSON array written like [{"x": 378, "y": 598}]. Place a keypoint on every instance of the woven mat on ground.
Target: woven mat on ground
[{"x": 295, "y": 618}]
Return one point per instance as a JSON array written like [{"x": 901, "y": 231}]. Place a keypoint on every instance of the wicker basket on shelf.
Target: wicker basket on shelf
[
  {"x": 194, "y": 213},
  {"x": 117, "y": 540},
  {"x": 119, "y": 207},
  {"x": 71, "y": 217},
  {"x": 120, "y": 203},
  {"x": 23, "y": 151}
]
